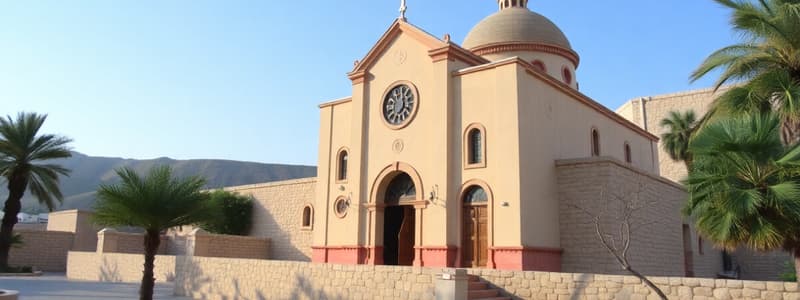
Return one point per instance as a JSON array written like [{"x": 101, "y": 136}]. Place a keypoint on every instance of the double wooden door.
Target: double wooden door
[{"x": 474, "y": 243}]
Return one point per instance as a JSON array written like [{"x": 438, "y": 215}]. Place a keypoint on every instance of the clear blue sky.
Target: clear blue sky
[{"x": 242, "y": 80}]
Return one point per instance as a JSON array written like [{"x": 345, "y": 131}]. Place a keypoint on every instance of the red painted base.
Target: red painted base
[
  {"x": 347, "y": 255},
  {"x": 526, "y": 258},
  {"x": 444, "y": 256}
]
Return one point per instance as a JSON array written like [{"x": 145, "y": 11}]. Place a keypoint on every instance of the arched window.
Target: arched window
[
  {"x": 567, "y": 75},
  {"x": 308, "y": 217},
  {"x": 475, "y": 146},
  {"x": 341, "y": 174},
  {"x": 628, "y": 158},
  {"x": 539, "y": 65},
  {"x": 595, "y": 142},
  {"x": 475, "y": 195}
]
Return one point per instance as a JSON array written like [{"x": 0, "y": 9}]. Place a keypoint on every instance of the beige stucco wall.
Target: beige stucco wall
[
  {"x": 657, "y": 108},
  {"x": 78, "y": 222},
  {"x": 45, "y": 250},
  {"x": 592, "y": 184},
  {"x": 277, "y": 215},
  {"x": 554, "y": 64},
  {"x": 116, "y": 267}
]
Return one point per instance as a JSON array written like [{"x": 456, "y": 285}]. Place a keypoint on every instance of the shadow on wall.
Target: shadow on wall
[
  {"x": 282, "y": 241},
  {"x": 109, "y": 271},
  {"x": 304, "y": 290}
]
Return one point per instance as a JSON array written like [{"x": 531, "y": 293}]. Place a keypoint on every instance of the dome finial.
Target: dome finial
[{"x": 512, "y": 3}]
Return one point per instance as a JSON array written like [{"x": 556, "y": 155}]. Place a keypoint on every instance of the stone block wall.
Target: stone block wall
[
  {"x": 542, "y": 285},
  {"x": 45, "y": 250},
  {"x": 761, "y": 266},
  {"x": 277, "y": 215},
  {"x": 590, "y": 184},
  {"x": 217, "y": 278},
  {"x": 117, "y": 267},
  {"x": 215, "y": 245},
  {"x": 225, "y": 278},
  {"x": 111, "y": 241},
  {"x": 656, "y": 108}
]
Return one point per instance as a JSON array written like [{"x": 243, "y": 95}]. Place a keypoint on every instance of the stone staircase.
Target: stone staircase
[{"x": 479, "y": 290}]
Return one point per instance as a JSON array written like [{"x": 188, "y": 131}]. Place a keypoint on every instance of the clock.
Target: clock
[{"x": 399, "y": 105}]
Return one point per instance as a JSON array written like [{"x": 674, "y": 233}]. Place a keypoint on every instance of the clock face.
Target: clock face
[{"x": 399, "y": 105}]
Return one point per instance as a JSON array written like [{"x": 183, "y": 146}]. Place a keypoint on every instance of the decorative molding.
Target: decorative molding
[
  {"x": 454, "y": 52},
  {"x": 336, "y": 102},
  {"x": 527, "y": 46}
]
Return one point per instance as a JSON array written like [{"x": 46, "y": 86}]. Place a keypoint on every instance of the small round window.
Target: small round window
[{"x": 340, "y": 207}]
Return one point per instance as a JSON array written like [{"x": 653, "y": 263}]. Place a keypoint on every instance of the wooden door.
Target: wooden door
[
  {"x": 405, "y": 238},
  {"x": 474, "y": 242}
]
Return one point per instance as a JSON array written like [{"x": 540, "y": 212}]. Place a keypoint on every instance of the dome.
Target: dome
[{"x": 515, "y": 25}]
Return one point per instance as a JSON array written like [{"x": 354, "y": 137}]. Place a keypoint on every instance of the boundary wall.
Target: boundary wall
[{"x": 225, "y": 278}]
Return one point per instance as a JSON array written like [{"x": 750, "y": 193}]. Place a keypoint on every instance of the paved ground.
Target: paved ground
[{"x": 56, "y": 286}]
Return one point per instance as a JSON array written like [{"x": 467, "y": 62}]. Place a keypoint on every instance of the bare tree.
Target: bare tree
[{"x": 621, "y": 210}]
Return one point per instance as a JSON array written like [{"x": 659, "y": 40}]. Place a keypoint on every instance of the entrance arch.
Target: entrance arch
[{"x": 395, "y": 216}]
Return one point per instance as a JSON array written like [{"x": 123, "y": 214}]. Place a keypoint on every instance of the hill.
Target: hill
[{"x": 88, "y": 172}]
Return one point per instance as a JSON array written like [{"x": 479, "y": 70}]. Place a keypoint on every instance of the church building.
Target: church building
[{"x": 455, "y": 155}]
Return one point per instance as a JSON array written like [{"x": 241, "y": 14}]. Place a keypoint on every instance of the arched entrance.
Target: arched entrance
[
  {"x": 399, "y": 221},
  {"x": 475, "y": 227},
  {"x": 395, "y": 216}
]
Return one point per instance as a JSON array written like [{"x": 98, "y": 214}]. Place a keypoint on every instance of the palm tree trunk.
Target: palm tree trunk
[
  {"x": 16, "y": 188},
  {"x": 151, "y": 242},
  {"x": 790, "y": 132}
]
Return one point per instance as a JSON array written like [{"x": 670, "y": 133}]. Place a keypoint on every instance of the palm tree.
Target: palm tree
[
  {"x": 154, "y": 203},
  {"x": 680, "y": 128},
  {"x": 767, "y": 62},
  {"x": 744, "y": 189},
  {"x": 22, "y": 151}
]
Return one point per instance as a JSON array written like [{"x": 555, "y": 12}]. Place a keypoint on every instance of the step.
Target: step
[
  {"x": 478, "y": 286},
  {"x": 481, "y": 294},
  {"x": 473, "y": 278},
  {"x": 494, "y": 298}
]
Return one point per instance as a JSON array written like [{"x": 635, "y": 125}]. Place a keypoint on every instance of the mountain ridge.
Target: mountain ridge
[{"x": 89, "y": 172}]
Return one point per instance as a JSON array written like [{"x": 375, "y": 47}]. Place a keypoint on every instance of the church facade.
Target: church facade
[{"x": 448, "y": 155}]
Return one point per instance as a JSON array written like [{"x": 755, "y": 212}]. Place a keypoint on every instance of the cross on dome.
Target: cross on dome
[{"x": 512, "y": 3}]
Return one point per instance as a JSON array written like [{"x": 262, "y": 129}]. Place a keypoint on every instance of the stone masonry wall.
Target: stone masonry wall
[
  {"x": 224, "y": 278},
  {"x": 656, "y": 248},
  {"x": 657, "y": 108},
  {"x": 111, "y": 241},
  {"x": 45, "y": 250},
  {"x": 117, "y": 267},
  {"x": 215, "y": 245},
  {"x": 761, "y": 266},
  {"x": 215, "y": 278},
  {"x": 277, "y": 215},
  {"x": 541, "y": 285}
]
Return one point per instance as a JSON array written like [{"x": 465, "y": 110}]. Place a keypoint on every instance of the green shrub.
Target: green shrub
[
  {"x": 789, "y": 274},
  {"x": 236, "y": 213}
]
